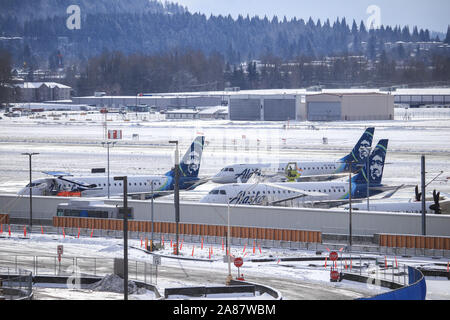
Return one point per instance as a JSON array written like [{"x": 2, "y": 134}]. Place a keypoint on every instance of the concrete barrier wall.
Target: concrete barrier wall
[{"x": 326, "y": 221}]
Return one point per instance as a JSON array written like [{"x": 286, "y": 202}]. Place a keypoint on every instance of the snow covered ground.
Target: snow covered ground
[
  {"x": 72, "y": 142},
  {"x": 293, "y": 279}
]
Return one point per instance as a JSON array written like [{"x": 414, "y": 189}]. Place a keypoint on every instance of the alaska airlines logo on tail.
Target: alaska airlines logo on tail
[
  {"x": 241, "y": 198},
  {"x": 247, "y": 173},
  {"x": 193, "y": 162}
]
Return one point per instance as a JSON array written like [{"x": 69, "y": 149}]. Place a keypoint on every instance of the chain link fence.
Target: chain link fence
[{"x": 77, "y": 266}]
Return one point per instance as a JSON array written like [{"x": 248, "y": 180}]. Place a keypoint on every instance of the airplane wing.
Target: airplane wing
[
  {"x": 197, "y": 183},
  {"x": 58, "y": 173},
  {"x": 150, "y": 195},
  {"x": 322, "y": 177}
]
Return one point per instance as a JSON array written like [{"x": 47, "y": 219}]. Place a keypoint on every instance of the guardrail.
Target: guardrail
[
  {"x": 15, "y": 284},
  {"x": 69, "y": 266}
]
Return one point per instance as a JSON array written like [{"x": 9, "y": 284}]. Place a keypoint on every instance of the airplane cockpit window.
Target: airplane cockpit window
[
  {"x": 214, "y": 192},
  {"x": 222, "y": 192},
  {"x": 231, "y": 169}
]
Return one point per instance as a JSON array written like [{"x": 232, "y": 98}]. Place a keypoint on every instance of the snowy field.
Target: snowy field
[
  {"x": 294, "y": 280},
  {"x": 72, "y": 142}
]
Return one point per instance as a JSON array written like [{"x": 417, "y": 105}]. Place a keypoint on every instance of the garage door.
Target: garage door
[
  {"x": 279, "y": 109},
  {"x": 324, "y": 111},
  {"x": 245, "y": 109}
]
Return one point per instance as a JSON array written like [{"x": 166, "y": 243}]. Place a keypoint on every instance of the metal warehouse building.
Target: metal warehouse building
[{"x": 327, "y": 105}]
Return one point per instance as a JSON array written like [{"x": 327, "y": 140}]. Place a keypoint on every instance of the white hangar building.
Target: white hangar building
[{"x": 301, "y": 105}]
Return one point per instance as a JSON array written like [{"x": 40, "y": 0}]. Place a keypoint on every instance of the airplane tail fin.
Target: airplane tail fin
[
  {"x": 361, "y": 150},
  {"x": 376, "y": 165},
  {"x": 190, "y": 163}
]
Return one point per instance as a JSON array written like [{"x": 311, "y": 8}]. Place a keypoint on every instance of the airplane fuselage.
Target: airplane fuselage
[
  {"x": 136, "y": 184},
  {"x": 243, "y": 172},
  {"x": 260, "y": 194}
]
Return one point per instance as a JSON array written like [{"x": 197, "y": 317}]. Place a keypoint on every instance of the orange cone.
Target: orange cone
[
  {"x": 162, "y": 239},
  {"x": 78, "y": 236},
  {"x": 64, "y": 234},
  {"x": 193, "y": 247},
  {"x": 9, "y": 230},
  {"x": 24, "y": 231},
  {"x": 1, "y": 228},
  {"x": 42, "y": 230},
  {"x": 202, "y": 243},
  {"x": 448, "y": 266},
  {"x": 245, "y": 246},
  {"x": 253, "y": 246},
  {"x": 92, "y": 232},
  {"x": 396, "y": 264},
  {"x": 259, "y": 247},
  {"x": 325, "y": 262}
]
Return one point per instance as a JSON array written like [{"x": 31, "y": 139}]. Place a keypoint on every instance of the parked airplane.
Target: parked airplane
[
  {"x": 96, "y": 186},
  {"x": 273, "y": 193},
  {"x": 434, "y": 206},
  {"x": 301, "y": 170}
]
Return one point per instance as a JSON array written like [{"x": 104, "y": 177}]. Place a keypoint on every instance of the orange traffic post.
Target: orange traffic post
[
  {"x": 325, "y": 266},
  {"x": 9, "y": 230},
  {"x": 24, "y": 231}
]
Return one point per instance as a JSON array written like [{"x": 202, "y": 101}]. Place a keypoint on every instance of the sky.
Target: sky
[{"x": 430, "y": 14}]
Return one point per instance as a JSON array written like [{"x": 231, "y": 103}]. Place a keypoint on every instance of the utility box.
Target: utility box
[{"x": 118, "y": 267}]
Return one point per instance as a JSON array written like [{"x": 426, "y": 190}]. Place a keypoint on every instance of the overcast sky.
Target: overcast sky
[{"x": 427, "y": 14}]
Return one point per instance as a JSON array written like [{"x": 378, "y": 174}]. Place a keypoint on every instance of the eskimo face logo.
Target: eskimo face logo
[
  {"x": 364, "y": 148},
  {"x": 376, "y": 167},
  {"x": 193, "y": 162}
]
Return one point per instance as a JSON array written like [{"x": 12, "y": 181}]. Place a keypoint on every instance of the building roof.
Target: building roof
[{"x": 36, "y": 85}]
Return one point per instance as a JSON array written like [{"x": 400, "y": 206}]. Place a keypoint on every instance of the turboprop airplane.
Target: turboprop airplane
[
  {"x": 63, "y": 184},
  {"x": 334, "y": 193},
  {"x": 300, "y": 170}
]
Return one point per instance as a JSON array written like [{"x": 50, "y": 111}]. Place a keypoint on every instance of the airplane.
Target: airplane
[
  {"x": 96, "y": 186},
  {"x": 432, "y": 206},
  {"x": 331, "y": 192},
  {"x": 301, "y": 170}
]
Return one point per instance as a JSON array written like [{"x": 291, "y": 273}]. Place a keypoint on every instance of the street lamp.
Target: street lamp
[
  {"x": 125, "y": 234},
  {"x": 177, "y": 191},
  {"x": 31, "y": 188},
  {"x": 108, "y": 144}
]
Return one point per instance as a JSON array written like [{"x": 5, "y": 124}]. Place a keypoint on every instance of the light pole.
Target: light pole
[
  {"x": 229, "y": 277},
  {"x": 107, "y": 145},
  {"x": 368, "y": 178},
  {"x": 177, "y": 191},
  {"x": 125, "y": 235},
  {"x": 350, "y": 165},
  {"x": 31, "y": 188}
]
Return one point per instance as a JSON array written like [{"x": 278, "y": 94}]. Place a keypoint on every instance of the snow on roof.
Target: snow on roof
[
  {"x": 36, "y": 85},
  {"x": 213, "y": 110},
  {"x": 183, "y": 111}
]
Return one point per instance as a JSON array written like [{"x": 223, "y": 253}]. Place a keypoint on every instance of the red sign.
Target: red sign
[
  {"x": 238, "y": 262},
  {"x": 114, "y": 134},
  {"x": 333, "y": 255},
  {"x": 334, "y": 275}
]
